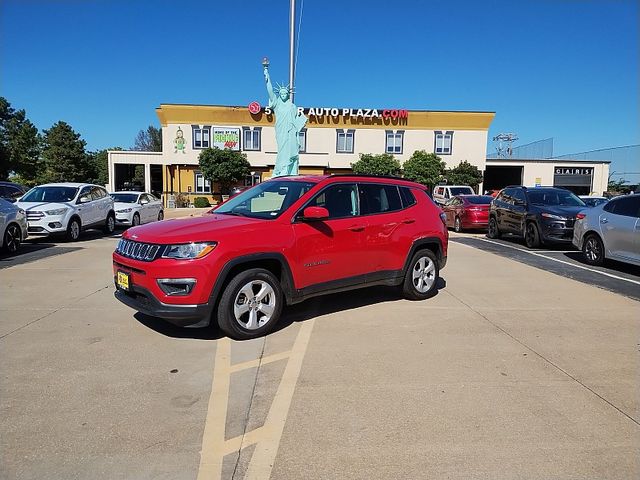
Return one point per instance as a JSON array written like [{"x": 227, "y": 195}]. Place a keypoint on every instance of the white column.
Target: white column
[{"x": 147, "y": 177}]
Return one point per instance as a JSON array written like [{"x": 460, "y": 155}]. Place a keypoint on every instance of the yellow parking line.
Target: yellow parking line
[
  {"x": 264, "y": 455},
  {"x": 259, "y": 361},
  {"x": 213, "y": 442}
]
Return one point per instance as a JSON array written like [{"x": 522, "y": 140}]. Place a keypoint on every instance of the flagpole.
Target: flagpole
[{"x": 292, "y": 31}]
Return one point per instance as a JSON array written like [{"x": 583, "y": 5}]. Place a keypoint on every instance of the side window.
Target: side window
[
  {"x": 508, "y": 195},
  {"x": 85, "y": 192},
  {"x": 519, "y": 195},
  {"x": 628, "y": 207},
  {"x": 96, "y": 194},
  {"x": 377, "y": 198},
  {"x": 12, "y": 192},
  {"x": 408, "y": 198},
  {"x": 341, "y": 200},
  {"x": 446, "y": 193}
]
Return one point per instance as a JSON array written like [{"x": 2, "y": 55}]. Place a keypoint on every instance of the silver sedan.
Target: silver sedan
[
  {"x": 13, "y": 226},
  {"x": 610, "y": 231}
]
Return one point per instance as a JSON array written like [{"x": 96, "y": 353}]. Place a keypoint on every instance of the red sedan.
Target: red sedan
[{"x": 467, "y": 212}]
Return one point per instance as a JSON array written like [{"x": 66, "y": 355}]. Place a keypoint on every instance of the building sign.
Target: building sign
[
  {"x": 538, "y": 181},
  {"x": 572, "y": 176},
  {"x": 346, "y": 115},
  {"x": 226, "y": 137}
]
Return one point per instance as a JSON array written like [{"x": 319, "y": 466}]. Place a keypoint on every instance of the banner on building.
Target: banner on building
[{"x": 226, "y": 137}]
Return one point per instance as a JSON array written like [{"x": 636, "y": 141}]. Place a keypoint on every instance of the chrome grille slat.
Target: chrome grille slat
[{"x": 137, "y": 250}]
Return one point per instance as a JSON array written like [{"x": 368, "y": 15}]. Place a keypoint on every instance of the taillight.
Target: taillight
[
  {"x": 443, "y": 217},
  {"x": 580, "y": 216}
]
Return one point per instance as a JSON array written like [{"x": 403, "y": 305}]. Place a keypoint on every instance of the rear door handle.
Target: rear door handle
[
  {"x": 356, "y": 228},
  {"x": 409, "y": 220},
  {"x": 604, "y": 220}
]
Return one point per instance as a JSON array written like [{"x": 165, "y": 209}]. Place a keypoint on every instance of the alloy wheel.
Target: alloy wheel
[
  {"x": 424, "y": 274},
  {"x": 74, "y": 230},
  {"x": 254, "y": 304},
  {"x": 592, "y": 249},
  {"x": 12, "y": 239}
]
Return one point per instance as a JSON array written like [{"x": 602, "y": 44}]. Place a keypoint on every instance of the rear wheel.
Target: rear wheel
[
  {"x": 12, "y": 238},
  {"x": 110, "y": 224},
  {"x": 250, "y": 305},
  {"x": 160, "y": 216},
  {"x": 457, "y": 226},
  {"x": 73, "y": 230},
  {"x": 593, "y": 250},
  {"x": 421, "y": 279},
  {"x": 493, "y": 231},
  {"x": 135, "y": 221},
  {"x": 531, "y": 235}
]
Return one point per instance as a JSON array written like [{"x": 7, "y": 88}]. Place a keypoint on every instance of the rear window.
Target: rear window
[{"x": 479, "y": 199}]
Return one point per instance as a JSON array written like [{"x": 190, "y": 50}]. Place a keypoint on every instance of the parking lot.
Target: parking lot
[{"x": 525, "y": 365}]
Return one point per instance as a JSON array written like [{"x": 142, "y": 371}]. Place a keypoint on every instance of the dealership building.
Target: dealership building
[{"x": 331, "y": 141}]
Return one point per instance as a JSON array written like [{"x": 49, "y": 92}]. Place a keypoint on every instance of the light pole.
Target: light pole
[{"x": 292, "y": 32}]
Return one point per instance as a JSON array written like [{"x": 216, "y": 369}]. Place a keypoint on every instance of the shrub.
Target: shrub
[
  {"x": 382, "y": 164},
  {"x": 201, "y": 202},
  {"x": 425, "y": 168}
]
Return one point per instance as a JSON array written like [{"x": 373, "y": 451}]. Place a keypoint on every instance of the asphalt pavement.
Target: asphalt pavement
[{"x": 512, "y": 371}]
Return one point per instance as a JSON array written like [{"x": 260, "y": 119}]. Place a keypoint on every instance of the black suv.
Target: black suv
[
  {"x": 11, "y": 191},
  {"x": 541, "y": 214}
]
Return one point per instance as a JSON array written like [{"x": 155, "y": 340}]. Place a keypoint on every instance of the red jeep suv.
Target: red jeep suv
[{"x": 281, "y": 242}]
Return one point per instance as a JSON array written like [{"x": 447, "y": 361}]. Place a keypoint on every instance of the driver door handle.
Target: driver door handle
[
  {"x": 604, "y": 220},
  {"x": 408, "y": 220},
  {"x": 356, "y": 228}
]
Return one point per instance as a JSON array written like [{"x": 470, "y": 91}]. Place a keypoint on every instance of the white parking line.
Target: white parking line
[{"x": 556, "y": 260}]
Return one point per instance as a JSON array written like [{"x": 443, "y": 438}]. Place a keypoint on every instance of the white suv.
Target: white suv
[
  {"x": 68, "y": 208},
  {"x": 442, "y": 193}
]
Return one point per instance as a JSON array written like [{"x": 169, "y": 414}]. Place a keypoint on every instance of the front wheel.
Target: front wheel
[
  {"x": 421, "y": 279},
  {"x": 593, "y": 250},
  {"x": 457, "y": 226},
  {"x": 73, "y": 230},
  {"x": 110, "y": 224},
  {"x": 160, "y": 216},
  {"x": 531, "y": 235},
  {"x": 12, "y": 238},
  {"x": 492, "y": 230},
  {"x": 135, "y": 221},
  {"x": 250, "y": 305}
]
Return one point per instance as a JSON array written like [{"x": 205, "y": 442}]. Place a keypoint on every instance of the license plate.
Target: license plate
[{"x": 122, "y": 280}]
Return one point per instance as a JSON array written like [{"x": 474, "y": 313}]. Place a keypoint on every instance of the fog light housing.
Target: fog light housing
[
  {"x": 176, "y": 287},
  {"x": 55, "y": 225}
]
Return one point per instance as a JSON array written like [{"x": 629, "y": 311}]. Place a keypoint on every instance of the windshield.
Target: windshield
[
  {"x": 266, "y": 200},
  {"x": 561, "y": 198},
  {"x": 461, "y": 191},
  {"x": 479, "y": 199},
  {"x": 125, "y": 197},
  {"x": 50, "y": 194}
]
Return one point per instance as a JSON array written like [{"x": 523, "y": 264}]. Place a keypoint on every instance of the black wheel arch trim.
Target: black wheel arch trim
[{"x": 421, "y": 243}]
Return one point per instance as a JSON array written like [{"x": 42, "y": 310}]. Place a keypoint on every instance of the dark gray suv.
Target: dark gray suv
[{"x": 541, "y": 215}]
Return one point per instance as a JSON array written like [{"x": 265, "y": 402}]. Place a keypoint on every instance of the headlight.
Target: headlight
[
  {"x": 126, "y": 210},
  {"x": 57, "y": 211},
  {"x": 188, "y": 250},
  {"x": 554, "y": 217}
]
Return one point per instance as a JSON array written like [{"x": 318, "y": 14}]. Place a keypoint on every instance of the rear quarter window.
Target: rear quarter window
[{"x": 407, "y": 197}]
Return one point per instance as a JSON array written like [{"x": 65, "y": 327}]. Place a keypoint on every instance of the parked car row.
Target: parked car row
[{"x": 67, "y": 209}]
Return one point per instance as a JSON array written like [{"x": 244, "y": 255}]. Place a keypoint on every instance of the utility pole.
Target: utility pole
[{"x": 292, "y": 33}]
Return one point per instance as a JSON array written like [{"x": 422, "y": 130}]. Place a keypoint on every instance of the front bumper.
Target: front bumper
[
  {"x": 47, "y": 225},
  {"x": 557, "y": 231},
  {"x": 143, "y": 301}
]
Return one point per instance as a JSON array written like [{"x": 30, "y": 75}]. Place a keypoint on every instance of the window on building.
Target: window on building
[
  {"x": 303, "y": 141},
  {"x": 251, "y": 138},
  {"x": 201, "y": 136},
  {"x": 444, "y": 142},
  {"x": 394, "y": 141},
  {"x": 345, "y": 140},
  {"x": 202, "y": 185}
]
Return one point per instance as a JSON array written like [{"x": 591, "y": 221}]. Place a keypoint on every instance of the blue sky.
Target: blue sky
[{"x": 549, "y": 68}]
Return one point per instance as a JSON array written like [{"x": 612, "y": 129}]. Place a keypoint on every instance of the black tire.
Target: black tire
[
  {"x": 160, "y": 215},
  {"x": 135, "y": 221},
  {"x": 457, "y": 225},
  {"x": 12, "y": 238},
  {"x": 492, "y": 230},
  {"x": 109, "y": 224},
  {"x": 423, "y": 266},
  {"x": 234, "y": 301},
  {"x": 593, "y": 250},
  {"x": 74, "y": 229},
  {"x": 531, "y": 235}
]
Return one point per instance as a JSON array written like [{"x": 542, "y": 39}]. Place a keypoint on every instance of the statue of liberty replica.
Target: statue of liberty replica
[{"x": 288, "y": 126}]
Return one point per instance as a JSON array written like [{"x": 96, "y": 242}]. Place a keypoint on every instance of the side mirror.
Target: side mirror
[
  {"x": 315, "y": 213},
  {"x": 84, "y": 199}
]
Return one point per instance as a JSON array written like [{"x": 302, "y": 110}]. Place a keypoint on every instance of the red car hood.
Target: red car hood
[{"x": 199, "y": 229}]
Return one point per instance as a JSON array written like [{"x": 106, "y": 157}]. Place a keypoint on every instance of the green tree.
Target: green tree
[
  {"x": 464, "y": 174},
  {"x": 149, "y": 140},
  {"x": 617, "y": 186},
  {"x": 425, "y": 168},
  {"x": 64, "y": 156},
  {"x": 225, "y": 167},
  {"x": 99, "y": 165},
  {"x": 382, "y": 164},
  {"x": 19, "y": 144}
]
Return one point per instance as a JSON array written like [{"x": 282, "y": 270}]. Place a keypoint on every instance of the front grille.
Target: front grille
[
  {"x": 35, "y": 229},
  {"x": 145, "y": 252},
  {"x": 569, "y": 223},
  {"x": 34, "y": 215}
]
